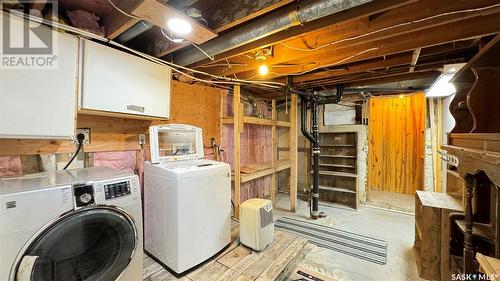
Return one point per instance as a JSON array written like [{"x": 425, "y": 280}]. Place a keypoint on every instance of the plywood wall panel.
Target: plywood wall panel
[
  {"x": 396, "y": 143},
  {"x": 197, "y": 105}
]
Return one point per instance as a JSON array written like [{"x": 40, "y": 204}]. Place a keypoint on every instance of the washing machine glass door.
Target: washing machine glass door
[{"x": 89, "y": 244}]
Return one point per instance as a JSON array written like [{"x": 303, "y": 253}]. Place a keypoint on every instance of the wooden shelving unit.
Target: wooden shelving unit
[
  {"x": 249, "y": 172},
  {"x": 338, "y": 178}
]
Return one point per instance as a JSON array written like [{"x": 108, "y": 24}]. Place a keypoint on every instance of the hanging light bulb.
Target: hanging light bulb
[{"x": 263, "y": 70}]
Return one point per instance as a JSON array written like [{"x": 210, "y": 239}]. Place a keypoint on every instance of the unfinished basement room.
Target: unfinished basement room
[{"x": 237, "y": 140}]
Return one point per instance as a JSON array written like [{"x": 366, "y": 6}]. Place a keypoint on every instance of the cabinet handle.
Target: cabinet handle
[{"x": 135, "y": 108}]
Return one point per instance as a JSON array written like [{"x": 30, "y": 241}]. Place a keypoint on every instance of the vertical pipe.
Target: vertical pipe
[{"x": 316, "y": 150}]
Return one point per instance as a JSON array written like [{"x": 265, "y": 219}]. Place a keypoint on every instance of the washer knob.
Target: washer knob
[{"x": 85, "y": 198}]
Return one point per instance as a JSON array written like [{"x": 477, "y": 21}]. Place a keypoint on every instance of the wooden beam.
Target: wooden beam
[
  {"x": 393, "y": 78},
  {"x": 357, "y": 67},
  {"x": 355, "y": 13},
  {"x": 274, "y": 152},
  {"x": 236, "y": 151},
  {"x": 115, "y": 23},
  {"x": 159, "y": 13},
  {"x": 456, "y": 24},
  {"x": 414, "y": 58},
  {"x": 293, "y": 152}
]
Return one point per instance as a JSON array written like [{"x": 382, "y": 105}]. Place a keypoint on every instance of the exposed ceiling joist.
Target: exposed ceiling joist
[
  {"x": 285, "y": 54},
  {"x": 159, "y": 13},
  {"x": 414, "y": 58},
  {"x": 187, "y": 56}
]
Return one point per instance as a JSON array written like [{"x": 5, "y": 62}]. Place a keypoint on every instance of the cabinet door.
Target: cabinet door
[
  {"x": 115, "y": 81},
  {"x": 40, "y": 103}
]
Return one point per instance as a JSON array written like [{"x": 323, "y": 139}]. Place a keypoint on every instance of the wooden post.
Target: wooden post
[
  {"x": 293, "y": 153},
  {"x": 236, "y": 141},
  {"x": 274, "y": 154},
  {"x": 470, "y": 182}
]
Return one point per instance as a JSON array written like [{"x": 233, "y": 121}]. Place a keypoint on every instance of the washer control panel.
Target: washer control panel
[{"x": 117, "y": 189}]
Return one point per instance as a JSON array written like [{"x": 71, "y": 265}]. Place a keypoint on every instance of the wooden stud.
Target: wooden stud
[
  {"x": 293, "y": 153},
  {"x": 273, "y": 139},
  {"x": 236, "y": 142},
  {"x": 439, "y": 163}
]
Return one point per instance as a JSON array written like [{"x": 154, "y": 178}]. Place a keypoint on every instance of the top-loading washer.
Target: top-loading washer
[
  {"x": 83, "y": 224},
  {"x": 187, "y": 199}
]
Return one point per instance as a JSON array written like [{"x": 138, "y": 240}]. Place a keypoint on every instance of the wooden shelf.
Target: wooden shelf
[
  {"x": 282, "y": 165},
  {"x": 255, "y": 171},
  {"x": 337, "y": 189},
  {"x": 338, "y": 145},
  {"x": 479, "y": 230},
  {"x": 339, "y": 174},
  {"x": 338, "y": 166},
  {"x": 336, "y": 205},
  {"x": 337, "y": 156},
  {"x": 256, "y": 121}
]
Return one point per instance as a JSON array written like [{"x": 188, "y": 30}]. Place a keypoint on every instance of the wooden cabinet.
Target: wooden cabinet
[
  {"x": 118, "y": 82},
  {"x": 432, "y": 233},
  {"x": 40, "y": 103}
]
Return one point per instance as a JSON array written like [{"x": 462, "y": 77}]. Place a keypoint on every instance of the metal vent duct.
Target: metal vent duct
[{"x": 277, "y": 21}]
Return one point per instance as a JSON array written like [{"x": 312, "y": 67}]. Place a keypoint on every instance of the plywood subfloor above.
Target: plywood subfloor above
[{"x": 240, "y": 263}]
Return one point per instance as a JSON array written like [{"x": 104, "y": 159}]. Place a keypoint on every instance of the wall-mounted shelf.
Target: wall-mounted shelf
[
  {"x": 256, "y": 121},
  {"x": 245, "y": 173},
  {"x": 255, "y": 171}
]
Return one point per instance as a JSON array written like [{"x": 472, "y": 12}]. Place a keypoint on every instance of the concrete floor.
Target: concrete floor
[
  {"x": 392, "y": 200},
  {"x": 395, "y": 228}
]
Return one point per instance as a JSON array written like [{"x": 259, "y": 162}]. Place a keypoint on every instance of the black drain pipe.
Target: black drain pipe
[{"x": 314, "y": 140}]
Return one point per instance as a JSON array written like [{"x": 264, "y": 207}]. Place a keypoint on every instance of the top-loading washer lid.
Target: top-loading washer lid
[{"x": 175, "y": 142}]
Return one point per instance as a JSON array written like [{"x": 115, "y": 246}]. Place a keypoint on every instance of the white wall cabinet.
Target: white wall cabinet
[
  {"x": 40, "y": 103},
  {"x": 115, "y": 81}
]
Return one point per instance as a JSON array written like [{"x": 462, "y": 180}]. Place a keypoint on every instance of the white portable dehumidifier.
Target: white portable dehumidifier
[{"x": 256, "y": 223}]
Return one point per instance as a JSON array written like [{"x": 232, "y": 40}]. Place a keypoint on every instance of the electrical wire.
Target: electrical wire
[
  {"x": 389, "y": 28},
  {"x": 123, "y": 12},
  {"x": 333, "y": 64},
  {"x": 205, "y": 53},
  {"x": 80, "y": 139},
  {"x": 173, "y": 66},
  {"x": 177, "y": 42}
]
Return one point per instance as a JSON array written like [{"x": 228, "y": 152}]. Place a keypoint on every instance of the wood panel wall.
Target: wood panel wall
[
  {"x": 197, "y": 105},
  {"x": 396, "y": 143}
]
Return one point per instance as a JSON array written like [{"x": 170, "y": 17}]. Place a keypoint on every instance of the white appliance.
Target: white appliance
[
  {"x": 83, "y": 224},
  {"x": 256, "y": 223},
  {"x": 187, "y": 199}
]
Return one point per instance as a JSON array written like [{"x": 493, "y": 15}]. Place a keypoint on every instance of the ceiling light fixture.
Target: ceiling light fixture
[
  {"x": 263, "y": 69},
  {"x": 179, "y": 26},
  {"x": 442, "y": 86}
]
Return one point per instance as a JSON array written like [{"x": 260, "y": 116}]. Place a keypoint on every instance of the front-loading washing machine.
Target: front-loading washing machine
[{"x": 83, "y": 224}]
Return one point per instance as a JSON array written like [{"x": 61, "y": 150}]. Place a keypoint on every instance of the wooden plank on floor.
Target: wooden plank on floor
[
  {"x": 211, "y": 271},
  {"x": 160, "y": 275},
  {"x": 287, "y": 260},
  {"x": 150, "y": 267},
  {"x": 229, "y": 275},
  {"x": 234, "y": 256},
  {"x": 268, "y": 257}
]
